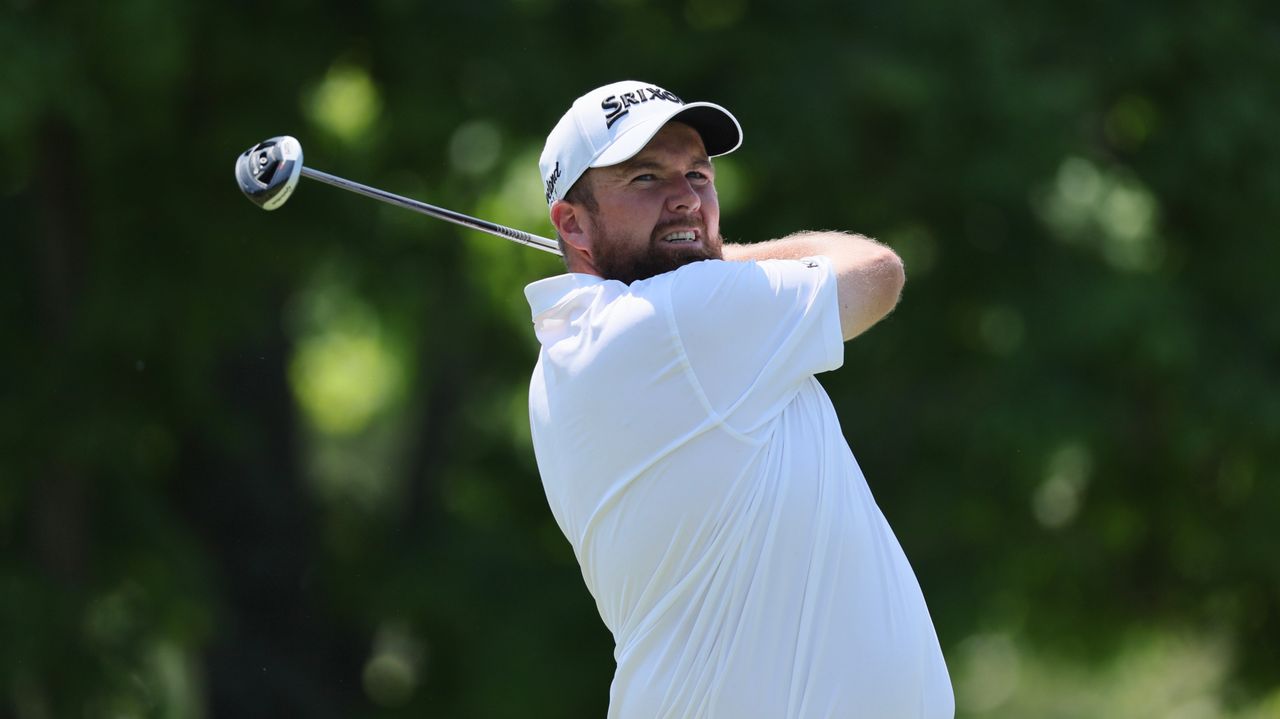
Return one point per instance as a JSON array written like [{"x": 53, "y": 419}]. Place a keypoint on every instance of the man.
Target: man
[{"x": 687, "y": 451}]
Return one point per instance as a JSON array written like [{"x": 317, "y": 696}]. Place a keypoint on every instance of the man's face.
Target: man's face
[{"x": 657, "y": 211}]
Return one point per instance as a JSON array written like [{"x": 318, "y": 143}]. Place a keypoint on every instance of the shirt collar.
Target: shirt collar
[{"x": 546, "y": 294}]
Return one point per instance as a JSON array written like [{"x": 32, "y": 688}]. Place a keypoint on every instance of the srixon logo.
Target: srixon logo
[{"x": 617, "y": 106}]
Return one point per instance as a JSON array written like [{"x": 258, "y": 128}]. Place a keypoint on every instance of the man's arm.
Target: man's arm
[{"x": 869, "y": 275}]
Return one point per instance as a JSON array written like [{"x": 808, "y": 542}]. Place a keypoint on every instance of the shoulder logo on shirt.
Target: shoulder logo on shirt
[
  {"x": 617, "y": 106},
  {"x": 809, "y": 263}
]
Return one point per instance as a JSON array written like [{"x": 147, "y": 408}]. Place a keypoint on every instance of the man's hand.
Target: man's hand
[{"x": 869, "y": 275}]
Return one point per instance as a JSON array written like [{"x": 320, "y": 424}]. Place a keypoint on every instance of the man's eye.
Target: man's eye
[{"x": 644, "y": 178}]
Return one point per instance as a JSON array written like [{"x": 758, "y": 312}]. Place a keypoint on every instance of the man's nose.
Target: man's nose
[{"x": 683, "y": 197}]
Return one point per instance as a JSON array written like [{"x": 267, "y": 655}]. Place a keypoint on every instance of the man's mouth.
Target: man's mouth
[{"x": 680, "y": 236}]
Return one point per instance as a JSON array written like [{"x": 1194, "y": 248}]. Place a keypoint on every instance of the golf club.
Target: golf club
[{"x": 268, "y": 172}]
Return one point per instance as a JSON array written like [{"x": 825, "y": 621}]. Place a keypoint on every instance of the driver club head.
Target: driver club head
[{"x": 268, "y": 171}]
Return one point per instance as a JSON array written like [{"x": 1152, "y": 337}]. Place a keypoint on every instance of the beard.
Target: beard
[{"x": 617, "y": 259}]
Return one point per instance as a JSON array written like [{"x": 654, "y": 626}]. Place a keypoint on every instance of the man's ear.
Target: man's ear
[{"x": 572, "y": 223}]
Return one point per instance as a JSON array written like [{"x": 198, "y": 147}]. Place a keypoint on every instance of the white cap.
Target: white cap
[{"x": 611, "y": 124}]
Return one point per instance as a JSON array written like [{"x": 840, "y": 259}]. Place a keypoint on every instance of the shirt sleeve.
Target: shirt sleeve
[{"x": 754, "y": 332}]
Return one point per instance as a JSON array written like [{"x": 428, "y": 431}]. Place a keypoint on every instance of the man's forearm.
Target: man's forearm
[{"x": 798, "y": 245}]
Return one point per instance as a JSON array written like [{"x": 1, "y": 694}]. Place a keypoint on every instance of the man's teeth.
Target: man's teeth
[{"x": 681, "y": 237}]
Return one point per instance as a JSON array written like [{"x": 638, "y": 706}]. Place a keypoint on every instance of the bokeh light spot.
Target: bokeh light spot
[
  {"x": 991, "y": 667},
  {"x": 343, "y": 371},
  {"x": 1108, "y": 211},
  {"x": 475, "y": 147},
  {"x": 1057, "y": 500},
  {"x": 393, "y": 670},
  {"x": 346, "y": 103}
]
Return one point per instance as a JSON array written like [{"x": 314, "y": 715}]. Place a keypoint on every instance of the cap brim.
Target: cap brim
[{"x": 720, "y": 131}]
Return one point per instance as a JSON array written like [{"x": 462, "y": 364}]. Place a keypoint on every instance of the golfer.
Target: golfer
[{"x": 688, "y": 452}]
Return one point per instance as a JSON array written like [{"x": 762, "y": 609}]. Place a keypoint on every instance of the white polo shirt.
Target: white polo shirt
[{"x": 721, "y": 522}]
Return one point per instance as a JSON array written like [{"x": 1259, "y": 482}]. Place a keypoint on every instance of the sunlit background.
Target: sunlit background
[{"x": 279, "y": 464}]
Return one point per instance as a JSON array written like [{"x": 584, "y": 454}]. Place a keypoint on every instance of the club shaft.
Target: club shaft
[{"x": 457, "y": 218}]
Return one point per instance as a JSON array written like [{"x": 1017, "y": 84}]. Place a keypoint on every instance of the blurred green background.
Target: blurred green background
[{"x": 278, "y": 465}]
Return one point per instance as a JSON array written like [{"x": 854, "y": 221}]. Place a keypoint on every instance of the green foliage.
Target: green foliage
[{"x": 1072, "y": 420}]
